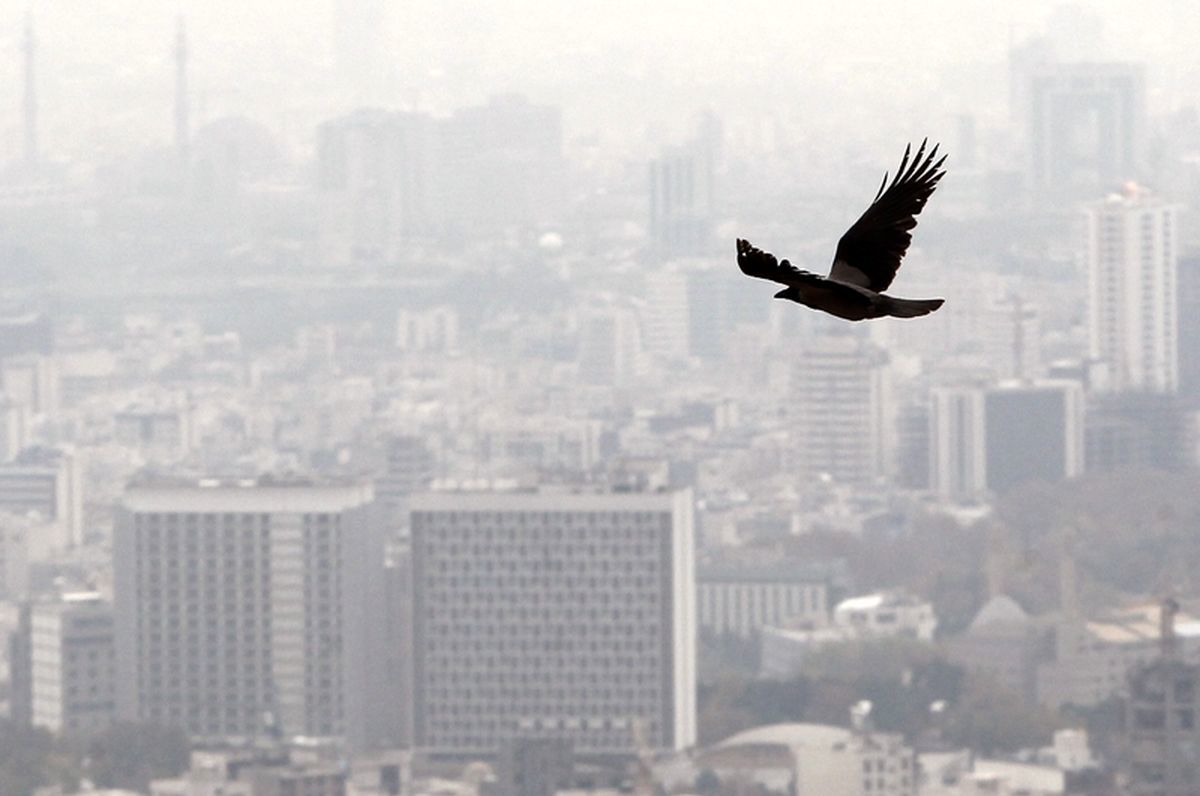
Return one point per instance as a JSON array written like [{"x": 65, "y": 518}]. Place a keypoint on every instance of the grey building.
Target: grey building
[
  {"x": 1086, "y": 127},
  {"x": 247, "y": 610},
  {"x": 997, "y": 438},
  {"x": 681, "y": 203},
  {"x": 553, "y": 615},
  {"x": 50, "y": 483},
  {"x": 1160, "y": 753},
  {"x": 742, "y": 598},
  {"x": 63, "y": 663}
]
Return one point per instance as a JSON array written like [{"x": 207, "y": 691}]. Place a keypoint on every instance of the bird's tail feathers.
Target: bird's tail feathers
[{"x": 912, "y": 308}]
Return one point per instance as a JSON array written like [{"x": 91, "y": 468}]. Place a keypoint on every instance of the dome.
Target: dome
[{"x": 1000, "y": 610}]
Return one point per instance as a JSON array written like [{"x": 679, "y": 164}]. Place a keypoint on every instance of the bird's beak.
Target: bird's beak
[{"x": 781, "y": 294}]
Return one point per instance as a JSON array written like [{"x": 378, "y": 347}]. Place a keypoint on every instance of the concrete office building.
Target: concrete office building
[
  {"x": 246, "y": 610},
  {"x": 553, "y": 615}
]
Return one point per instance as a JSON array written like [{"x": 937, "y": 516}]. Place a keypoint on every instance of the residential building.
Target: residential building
[{"x": 1133, "y": 322}]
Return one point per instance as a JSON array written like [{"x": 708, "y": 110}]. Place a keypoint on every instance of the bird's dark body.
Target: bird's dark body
[
  {"x": 857, "y": 304},
  {"x": 867, "y": 256}
]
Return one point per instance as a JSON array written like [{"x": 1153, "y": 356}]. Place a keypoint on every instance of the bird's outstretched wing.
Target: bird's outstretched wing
[
  {"x": 869, "y": 254},
  {"x": 755, "y": 262}
]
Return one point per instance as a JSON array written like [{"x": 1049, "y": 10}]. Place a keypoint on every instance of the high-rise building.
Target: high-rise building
[
  {"x": 502, "y": 165},
  {"x": 1086, "y": 127},
  {"x": 681, "y": 203},
  {"x": 377, "y": 175},
  {"x": 666, "y": 315},
  {"x": 1132, "y": 290},
  {"x": 841, "y": 409},
  {"x": 64, "y": 675},
  {"x": 957, "y": 450},
  {"x": 247, "y": 610},
  {"x": 553, "y": 615},
  {"x": 993, "y": 439}
]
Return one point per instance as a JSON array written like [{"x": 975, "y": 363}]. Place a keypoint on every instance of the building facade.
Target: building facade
[
  {"x": 63, "y": 664},
  {"x": 50, "y": 484},
  {"x": 995, "y": 438},
  {"x": 1132, "y": 290},
  {"x": 741, "y": 600},
  {"x": 544, "y": 615},
  {"x": 246, "y": 610}
]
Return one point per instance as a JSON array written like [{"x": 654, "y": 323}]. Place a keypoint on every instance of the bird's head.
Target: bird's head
[{"x": 792, "y": 293}]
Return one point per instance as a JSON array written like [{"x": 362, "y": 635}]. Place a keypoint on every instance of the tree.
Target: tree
[
  {"x": 989, "y": 718},
  {"x": 129, "y": 755},
  {"x": 31, "y": 758}
]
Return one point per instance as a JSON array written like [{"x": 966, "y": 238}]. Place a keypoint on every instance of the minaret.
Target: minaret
[
  {"x": 182, "y": 130},
  {"x": 30, "y": 107}
]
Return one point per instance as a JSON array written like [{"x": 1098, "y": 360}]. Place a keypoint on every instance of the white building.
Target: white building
[
  {"x": 816, "y": 760},
  {"x": 71, "y": 668},
  {"x": 665, "y": 315},
  {"x": 1132, "y": 289},
  {"x": 869, "y": 617},
  {"x": 561, "y": 615},
  {"x": 841, "y": 410},
  {"x": 960, "y": 773},
  {"x": 886, "y": 615},
  {"x": 244, "y": 610}
]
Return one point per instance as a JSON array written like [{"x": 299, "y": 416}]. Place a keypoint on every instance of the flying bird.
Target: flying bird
[{"x": 867, "y": 256}]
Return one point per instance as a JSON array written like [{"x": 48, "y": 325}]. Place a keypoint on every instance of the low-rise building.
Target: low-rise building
[
  {"x": 870, "y": 617},
  {"x": 815, "y": 760}
]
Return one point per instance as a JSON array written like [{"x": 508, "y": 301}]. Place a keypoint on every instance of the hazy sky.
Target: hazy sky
[{"x": 106, "y": 66}]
